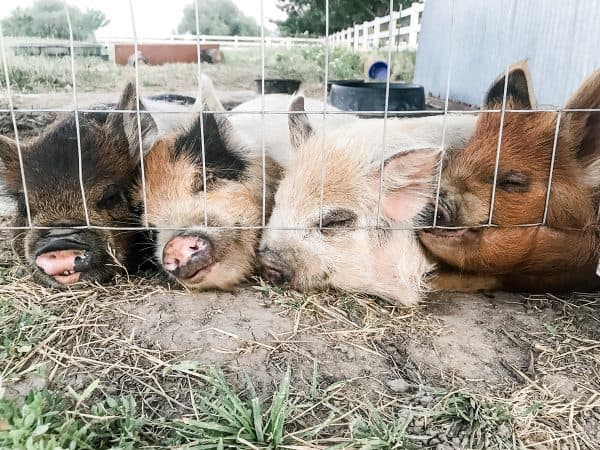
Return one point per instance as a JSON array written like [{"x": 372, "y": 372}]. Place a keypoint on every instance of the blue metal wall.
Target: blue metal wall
[{"x": 560, "y": 39}]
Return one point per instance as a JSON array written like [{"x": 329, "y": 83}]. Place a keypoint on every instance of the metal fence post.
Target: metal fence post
[{"x": 414, "y": 26}]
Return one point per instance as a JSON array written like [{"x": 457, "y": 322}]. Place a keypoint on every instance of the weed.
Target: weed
[
  {"x": 226, "y": 419},
  {"x": 378, "y": 432},
  {"x": 484, "y": 423},
  {"x": 20, "y": 331},
  {"x": 49, "y": 420}
]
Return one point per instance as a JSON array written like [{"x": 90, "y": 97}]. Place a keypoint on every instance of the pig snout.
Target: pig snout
[
  {"x": 65, "y": 266},
  {"x": 274, "y": 267},
  {"x": 187, "y": 256}
]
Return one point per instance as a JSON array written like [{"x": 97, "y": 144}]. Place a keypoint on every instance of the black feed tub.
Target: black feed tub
[
  {"x": 367, "y": 96},
  {"x": 278, "y": 86}
]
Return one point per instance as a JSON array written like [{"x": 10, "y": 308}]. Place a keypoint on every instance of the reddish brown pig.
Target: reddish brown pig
[{"x": 562, "y": 255}]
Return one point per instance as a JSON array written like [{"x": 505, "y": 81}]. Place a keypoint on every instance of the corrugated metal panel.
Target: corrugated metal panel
[{"x": 559, "y": 38}]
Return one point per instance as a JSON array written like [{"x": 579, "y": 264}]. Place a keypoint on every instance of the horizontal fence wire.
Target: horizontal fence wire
[
  {"x": 432, "y": 112},
  {"x": 386, "y": 114},
  {"x": 260, "y": 227}
]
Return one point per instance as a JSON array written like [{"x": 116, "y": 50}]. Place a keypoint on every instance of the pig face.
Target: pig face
[
  {"x": 59, "y": 248},
  {"x": 220, "y": 252},
  {"x": 525, "y": 160},
  {"x": 348, "y": 251}
]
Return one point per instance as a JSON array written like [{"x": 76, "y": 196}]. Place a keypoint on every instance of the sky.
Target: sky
[{"x": 153, "y": 18}]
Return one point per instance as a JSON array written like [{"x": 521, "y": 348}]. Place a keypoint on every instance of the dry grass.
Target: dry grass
[{"x": 73, "y": 342}]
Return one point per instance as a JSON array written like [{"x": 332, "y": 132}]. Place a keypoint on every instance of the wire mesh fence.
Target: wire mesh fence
[{"x": 265, "y": 113}]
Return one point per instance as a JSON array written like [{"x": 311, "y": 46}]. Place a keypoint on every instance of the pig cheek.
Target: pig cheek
[
  {"x": 119, "y": 244},
  {"x": 162, "y": 238}
]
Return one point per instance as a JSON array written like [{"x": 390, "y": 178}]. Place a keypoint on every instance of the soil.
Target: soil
[{"x": 241, "y": 332}]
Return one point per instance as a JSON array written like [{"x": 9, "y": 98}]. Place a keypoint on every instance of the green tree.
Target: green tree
[
  {"x": 308, "y": 16},
  {"x": 220, "y": 17},
  {"x": 47, "y": 18}
]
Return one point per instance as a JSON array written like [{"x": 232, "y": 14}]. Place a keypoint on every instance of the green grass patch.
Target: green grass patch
[
  {"x": 223, "y": 419},
  {"x": 20, "y": 331}
]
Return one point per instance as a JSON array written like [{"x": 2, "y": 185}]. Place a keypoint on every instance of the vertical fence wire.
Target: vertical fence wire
[
  {"x": 15, "y": 128},
  {"x": 201, "y": 100},
  {"x": 512, "y": 17},
  {"x": 391, "y": 27},
  {"x": 137, "y": 109},
  {"x": 326, "y": 79},
  {"x": 262, "y": 113},
  {"x": 76, "y": 112},
  {"x": 444, "y": 120},
  {"x": 549, "y": 188}
]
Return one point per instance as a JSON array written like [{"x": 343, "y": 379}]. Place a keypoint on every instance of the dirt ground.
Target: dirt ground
[{"x": 538, "y": 356}]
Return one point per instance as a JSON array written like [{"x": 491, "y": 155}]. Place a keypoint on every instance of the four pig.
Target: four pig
[{"x": 340, "y": 208}]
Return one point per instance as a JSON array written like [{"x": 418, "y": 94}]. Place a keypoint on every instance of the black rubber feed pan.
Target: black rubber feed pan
[
  {"x": 278, "y": 86},
  {"x": 332, "y": 82},
  {"x": 174, "y": 98},
  {"x": 366, "y": 96}
]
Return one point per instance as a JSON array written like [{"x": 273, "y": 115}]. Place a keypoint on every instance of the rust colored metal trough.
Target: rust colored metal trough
[{"x": 156, "y": 54}]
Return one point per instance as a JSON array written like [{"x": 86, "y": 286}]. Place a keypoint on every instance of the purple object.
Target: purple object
[{"x": 378, "y": 71}]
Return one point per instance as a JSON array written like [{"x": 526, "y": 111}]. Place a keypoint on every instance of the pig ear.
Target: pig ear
[
  {"x": 407, "y": 183},
  {"x": 518, "y": 89},
  {"x": 300, "y": 127},
  {"x": 585, "y": 125},
  {"x": 10, "y": 170},
  {"x": 128, "y": 122},
  {"x": 207, "y": 96},
  {"x": 8, "y": 153}
]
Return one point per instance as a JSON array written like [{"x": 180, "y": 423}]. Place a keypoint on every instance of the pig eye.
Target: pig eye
[
  {"x": 513, "y": 181},
  {"x": 338, "y": 218},
  {"x": 21, "y": 207},
  {"x": 198, "y": 182},
  {"x": 111, "y": 197}
]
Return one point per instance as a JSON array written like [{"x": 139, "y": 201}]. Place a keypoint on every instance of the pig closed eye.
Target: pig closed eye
[
  {"x": 339, "y": 218},
  {"x": 513, "y": 181},
  {"x": 111, "y": 197},
  {"x": 198, "y": 182},
  {"x": 21, "y": 206}
]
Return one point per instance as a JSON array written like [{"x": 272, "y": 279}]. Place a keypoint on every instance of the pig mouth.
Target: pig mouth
[
  {"x": 64, "y": 261},
  {"x": 68, "y": 277},
  {"x": 451, "y": 234},
  {"x": 199, "y": 275}
]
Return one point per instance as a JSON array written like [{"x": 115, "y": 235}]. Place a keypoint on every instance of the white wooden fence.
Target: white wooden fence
[
  {"x": 406, "y": 25},
  {"x": 223, "y": 41}
]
